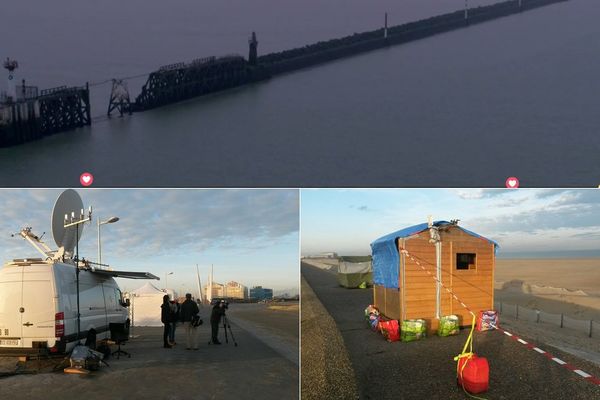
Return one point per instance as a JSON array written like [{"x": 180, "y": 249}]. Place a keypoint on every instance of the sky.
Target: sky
[
  {"x": 525, "y": 222},
  {"x": 250, "y": 236}
]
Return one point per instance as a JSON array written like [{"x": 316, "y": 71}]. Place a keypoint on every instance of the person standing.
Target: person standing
[
  {"x": 165, "y": 318},
  {"x": 189, "y": 309},
  {"x": 174, "y": 318},
  {"x": 217, "y": 313}
]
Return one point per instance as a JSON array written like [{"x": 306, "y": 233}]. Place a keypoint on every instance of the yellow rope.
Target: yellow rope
[
  {"x": 469, "y": 342},
  {"x": 468, "y": 354}
]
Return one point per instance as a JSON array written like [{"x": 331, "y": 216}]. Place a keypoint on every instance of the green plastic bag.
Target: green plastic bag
[
  {"x": 413, "y": 329},
  {"x": 448, "y": 326}
]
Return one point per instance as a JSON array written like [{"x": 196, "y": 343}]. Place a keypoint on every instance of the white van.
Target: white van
[{"x": 38, "y": 306}]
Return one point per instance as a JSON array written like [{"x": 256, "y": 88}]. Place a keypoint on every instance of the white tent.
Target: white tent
[{"x": 145, "y": 305}]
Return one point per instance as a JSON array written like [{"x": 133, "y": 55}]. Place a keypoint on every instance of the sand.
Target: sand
[
  {"x": 573, "y": 274},
  {"x": 569, "y": 286}
]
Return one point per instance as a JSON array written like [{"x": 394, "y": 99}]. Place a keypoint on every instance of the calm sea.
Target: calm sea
[{"x": 512, "y": 97}]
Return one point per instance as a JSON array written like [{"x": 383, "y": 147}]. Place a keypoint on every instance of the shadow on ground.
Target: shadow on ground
[
  {"x": 425, "y": 369},
  {"x": 250, "y": 370}
]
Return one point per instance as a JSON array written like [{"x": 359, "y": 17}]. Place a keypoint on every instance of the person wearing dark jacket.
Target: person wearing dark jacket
[
  {"x": 217, "y": 313},
  {"x": 165, "y": 318},
  {"x": 188, "y": 310},
  {"x": 174, "y": 318}
]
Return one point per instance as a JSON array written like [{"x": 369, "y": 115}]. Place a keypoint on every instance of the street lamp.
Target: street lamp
[
  {"x": 166, "y": 275},
  {"x": 108, "y": 221}
]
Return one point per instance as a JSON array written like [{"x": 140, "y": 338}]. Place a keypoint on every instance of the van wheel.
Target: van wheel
[{"x": 90, "y": 340}]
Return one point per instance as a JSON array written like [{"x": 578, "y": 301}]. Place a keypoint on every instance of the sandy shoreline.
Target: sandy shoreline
[
  {"x": 573, "y": 274},
  {"x": 568, "y": 286}
]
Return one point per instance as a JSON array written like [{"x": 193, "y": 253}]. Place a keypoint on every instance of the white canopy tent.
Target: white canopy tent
[{"x": 145, "y": 305}]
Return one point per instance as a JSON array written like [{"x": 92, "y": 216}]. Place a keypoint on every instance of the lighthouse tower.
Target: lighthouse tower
[
  {"x": 253, "y": 53},
  {"x": 11, "y": 66}
]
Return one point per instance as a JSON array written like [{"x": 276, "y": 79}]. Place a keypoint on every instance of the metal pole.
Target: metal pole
[
  {"x": 99, "y": 244},
  {"x": 385, "y": 30},
  {"x": 77, "y": 276},
  {"x": 561, "y": 319},
  {"x": 438, "y": 288},
  {"x": 132, "y": 296}
]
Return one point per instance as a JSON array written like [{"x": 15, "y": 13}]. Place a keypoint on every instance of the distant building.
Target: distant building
[
  {"x": 235, "y": 290},
  {"x": 261, "y": 293},
  {"x": 232, "y": 290},
  {"x": 218, "y": 290}
]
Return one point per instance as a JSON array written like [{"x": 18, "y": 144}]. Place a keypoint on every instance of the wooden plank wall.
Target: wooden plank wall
[
  {"x": 473, "y": 287},
  {"x": 419, "y": 293}
]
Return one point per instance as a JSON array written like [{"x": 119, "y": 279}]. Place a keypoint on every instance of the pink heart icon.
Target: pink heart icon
[
  {"x": 512, "y": 183},
  {"x": 86, "y": 179}
]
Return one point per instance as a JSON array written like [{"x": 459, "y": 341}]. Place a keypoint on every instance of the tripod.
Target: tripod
[{"x": 226, "y": 326}]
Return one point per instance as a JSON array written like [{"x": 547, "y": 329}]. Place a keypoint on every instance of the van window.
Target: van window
[
  {"x": 118, "y": 296},
  {"x": 465, "y": 260}
]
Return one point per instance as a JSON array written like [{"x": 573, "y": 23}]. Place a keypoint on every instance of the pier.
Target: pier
[{"x": 27, "y": 115}]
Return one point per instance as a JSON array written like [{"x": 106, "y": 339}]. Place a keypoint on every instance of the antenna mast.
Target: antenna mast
[{"x": 36, "y": 242}]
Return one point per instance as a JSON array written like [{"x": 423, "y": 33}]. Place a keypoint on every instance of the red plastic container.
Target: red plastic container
[
  {"x": 390, "y": 330},
  {"x": 475, "y": 376}
]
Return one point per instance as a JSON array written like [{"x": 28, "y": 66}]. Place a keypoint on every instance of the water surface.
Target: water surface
[{"x": 515, "y": 96}]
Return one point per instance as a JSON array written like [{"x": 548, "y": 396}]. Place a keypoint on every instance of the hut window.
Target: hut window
[{"x": 465, "y": 260}]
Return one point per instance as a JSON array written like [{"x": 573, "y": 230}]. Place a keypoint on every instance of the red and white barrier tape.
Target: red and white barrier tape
[{"x": 531, "y": 346}]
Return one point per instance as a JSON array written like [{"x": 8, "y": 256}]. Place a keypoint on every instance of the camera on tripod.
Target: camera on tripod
[{"x": 217, "y": 301}]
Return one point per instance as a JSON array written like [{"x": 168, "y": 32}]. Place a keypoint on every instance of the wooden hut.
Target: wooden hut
[{"x": 462, "y": 260}]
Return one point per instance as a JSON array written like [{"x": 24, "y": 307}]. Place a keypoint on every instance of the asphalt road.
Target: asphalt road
[
  {"x": 252, "y": 370},
  {"x": 425, "y": 369}
]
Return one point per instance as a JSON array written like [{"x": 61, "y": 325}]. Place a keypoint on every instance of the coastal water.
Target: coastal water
[{"x": 512, "y": 97}]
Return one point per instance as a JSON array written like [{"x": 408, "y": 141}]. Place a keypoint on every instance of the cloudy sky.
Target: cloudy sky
[
  {"x": 251, "y": 236},
  {"x": 525, "y": 222}
]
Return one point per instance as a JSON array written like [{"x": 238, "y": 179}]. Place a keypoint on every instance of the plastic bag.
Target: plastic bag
[
  {"x": 487, "y": 320},
  {"x": 371, "y": 309},
  {"x": 448, "y": 326},
  {"x": 390, "y": 330},
  {"x": 374, "y": 322},
  {"x": 413, "y": 329}
]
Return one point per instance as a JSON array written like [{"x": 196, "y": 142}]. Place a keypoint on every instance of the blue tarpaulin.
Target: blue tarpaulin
[{"x": 386, "y": 260}]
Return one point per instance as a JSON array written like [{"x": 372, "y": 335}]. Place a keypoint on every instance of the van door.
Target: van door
[
  {"x": 39, "y": 311},
  {"x": 11, "y": 284},
  {"x": 38, "y": 305}
]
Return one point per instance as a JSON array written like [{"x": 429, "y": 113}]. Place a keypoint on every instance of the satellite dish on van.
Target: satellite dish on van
[{"x": 67, "y": 203}]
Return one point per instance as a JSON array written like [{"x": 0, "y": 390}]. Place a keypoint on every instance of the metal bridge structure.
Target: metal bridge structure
[{"x": 176, "y": 82}]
